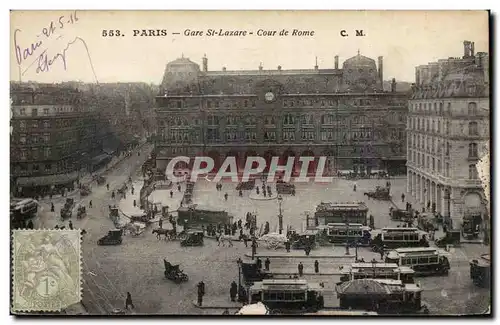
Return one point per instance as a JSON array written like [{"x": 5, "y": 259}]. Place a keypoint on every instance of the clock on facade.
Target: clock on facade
[{"x": 269, "y": 96}]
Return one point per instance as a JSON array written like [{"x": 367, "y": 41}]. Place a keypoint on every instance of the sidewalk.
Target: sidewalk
[
  {"x": 217, "y": 302},
  {"x": 86, "y": 178},
  {"x": 320, "y": 252}
]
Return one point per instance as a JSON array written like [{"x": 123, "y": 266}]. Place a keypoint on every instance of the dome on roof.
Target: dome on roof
[
  {"x": 182, "y": 60},
  {"x": 359, "y": 61}
]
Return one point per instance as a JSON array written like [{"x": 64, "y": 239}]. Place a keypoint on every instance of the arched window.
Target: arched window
[
  {"x": 473, "y": 172},
  {"x": 473, "y": 130},
  {"x": 472, "y": 109},
  {"x": 473, "y": 150}
]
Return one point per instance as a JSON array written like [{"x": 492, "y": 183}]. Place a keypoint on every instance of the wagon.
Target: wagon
[
  {"x": 174, "y": 273},
  {"x": 380, "y": 193}
]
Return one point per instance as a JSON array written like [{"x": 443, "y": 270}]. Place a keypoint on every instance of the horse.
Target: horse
[
  {"x": 223, "y": 239},
  {"x": 161, "y": 231}
]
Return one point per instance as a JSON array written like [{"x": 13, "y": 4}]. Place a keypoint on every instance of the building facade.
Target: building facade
[
  {"x": 53, "y": 138},
  {"x": 341, "y": 113},
  {"x": 448, "y": 128}
]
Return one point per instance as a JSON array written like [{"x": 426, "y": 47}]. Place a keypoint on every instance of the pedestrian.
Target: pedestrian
[
  {"x": 171, "y": 194},
  {"x": 259, "y": 263},
  {"x": 240, "y": 193},
  {"x": 287, "y": 246},
  {"x": 70, "y": 225},
  {"x": 113, "y": 194},
  {"x": 428, "y": 205},
  {"x": 257, "y": 190},
  {"x": 30, "y": 224},
  {"x": 354, "y": 188},
  {"x": 52, "y": 207},
  {"x": 225, "y": 196},
  {"x": 382, "y": 254},
  {"x": 107, "y": 186},
  {"x": 254, "y": 247},
  {"x": 402, "y": 197},
  {"x": 301, "y": 269},
  {"x": 316, "y": 266},
  {"x": 201, "y": 293},
  {"x": 179, "y": 187},
  {"x": 128, "y": 301},
  {"x": 132, "y": 190},
  {"x": 160, "y": 223},
  {"x": 267, "y": 262},
  {"x": 90, "y": 204},
  {"x": 135, "y": 203},
  {"x": 233, "y": 291}
]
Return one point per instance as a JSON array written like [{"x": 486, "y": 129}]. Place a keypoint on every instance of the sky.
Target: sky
[{"x": 55, "y": 46}]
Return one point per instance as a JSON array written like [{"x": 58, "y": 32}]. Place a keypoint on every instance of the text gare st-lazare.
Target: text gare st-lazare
[{"x": 259, "y": 32}]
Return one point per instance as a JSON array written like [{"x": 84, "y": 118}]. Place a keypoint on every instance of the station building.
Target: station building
[{"x": 340, "y": 112}]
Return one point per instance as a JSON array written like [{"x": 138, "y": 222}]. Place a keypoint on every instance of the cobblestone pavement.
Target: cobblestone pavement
[{"x": 136, "y": 266}]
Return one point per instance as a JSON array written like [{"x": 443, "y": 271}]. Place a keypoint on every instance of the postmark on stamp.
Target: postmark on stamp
[{"x": 46, "y": 269}]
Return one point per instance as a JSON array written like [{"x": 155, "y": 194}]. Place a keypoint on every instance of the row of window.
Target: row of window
[
  {"x": 59, "y": 123},
  {"x": 59, "y": 167},
  {"x": 401, "y": 237},
  {"x": 435, "y": 126},
  {"x": 438, "y": 108},
  {"x": 418, "y": 260},
  {"x": 45, "y": 111},
  {"x": 427, "y": 162}
]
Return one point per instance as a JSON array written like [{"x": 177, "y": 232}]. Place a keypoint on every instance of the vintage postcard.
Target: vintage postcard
[{"x": 250, "y": 162}]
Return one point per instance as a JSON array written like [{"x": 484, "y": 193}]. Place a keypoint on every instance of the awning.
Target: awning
[
  {"x": 47, "y": 180},
  {"x": 98, "y": 159}
]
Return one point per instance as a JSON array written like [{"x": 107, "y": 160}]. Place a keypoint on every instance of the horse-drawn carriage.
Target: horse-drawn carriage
[
  {"x": 380, "y": 193},
  {"x": 193, "y": 238},
  {"x": 174, "y": 273},
  {"x": 99, "y": 179},
  {"x": 135, "y": 228},
  {"x": 400, "y": 215},
  {"x": 249, "y": 185},
  {"x": 81, "y": 212},
  {"x": 113, "y": 237},
  {"x": 67, "y": 209},
  {"x": 85, "y": 190}
]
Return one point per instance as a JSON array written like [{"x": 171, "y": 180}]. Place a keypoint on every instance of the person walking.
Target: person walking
[
  {"x": 30, "y": 224},
  {"x": 52, "y": 209},
  {"x": 128, "y": 301},
  {"x": 90, "y": 204},
  {"x": 382, "y": 254},
  {"x": 107, "y": 186},
  {"x": 171, "y": 194},
  {"x": 316, "y": 266},
  {"x": 201, "y": 292},
  {"x": 225, "y": 196},
  {"x": 259, "y": 263},
  {"x": 402, "y": 197},
  {"x": 70, "y": 225},
  {"x": 267, "y": 262},
  {"x": 300, "y": 267},
  {"x": 160, "y": 223},
  {"x": 233, "y": 291}
]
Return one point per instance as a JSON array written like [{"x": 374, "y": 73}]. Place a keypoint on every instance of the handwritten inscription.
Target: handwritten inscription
[{"x": 42, "y": 60}]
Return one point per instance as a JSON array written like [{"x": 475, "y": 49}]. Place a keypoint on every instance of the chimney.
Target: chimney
[
  {"x": 336, "y": 61},
  {"x": 472, "y": 48},
  {"x": 393, "y": 85},
  {"x": 223, "y": 68},
  {"x": 260, "y": 67},
  {"x": 279, "y": 68},
  {"x": 205, "y": 63},
  {"x": 316, "y": 65},
  {"x": 381, "y": 69},
  {"x": 417, "y": 76}
]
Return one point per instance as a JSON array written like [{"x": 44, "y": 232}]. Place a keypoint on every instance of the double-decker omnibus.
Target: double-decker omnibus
[
  {"x": 389, "y": 271},
  {"x": 399, "y": 237},
  {"x": 24, "y": 209},
  {"x": 348, "y": 233},
  {"x": 338, "y": 212},
  {"x": 423, "y": 260},
  {"x": 287, "y": 294},
  {"x": 480, "y": 271}
]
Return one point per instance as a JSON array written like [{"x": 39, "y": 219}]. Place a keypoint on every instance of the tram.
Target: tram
[
  {"x": 423, "y": 260},
  {"x": 287, "y": 295},
  {"x": 399, "y": 237},
  {"x": 348, "y": 233},
  {"x": 390, "y": 271}
]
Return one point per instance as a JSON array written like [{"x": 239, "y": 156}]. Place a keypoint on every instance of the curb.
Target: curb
[
  {"x": 305, "y": 273},
  {"x": 303, "y": 256},
  {"x": 195, "y": 303}
]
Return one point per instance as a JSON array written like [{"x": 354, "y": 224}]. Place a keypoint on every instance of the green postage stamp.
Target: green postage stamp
[{"x": 46, "y": 270}]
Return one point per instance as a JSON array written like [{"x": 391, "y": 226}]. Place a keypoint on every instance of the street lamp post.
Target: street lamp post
[
  {"x": 347, "y": 239},
  {"x": 280, "y": 215}
]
